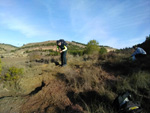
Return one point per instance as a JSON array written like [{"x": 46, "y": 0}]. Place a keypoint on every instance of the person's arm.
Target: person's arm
[
  {"x": 135, "y": 52},
  {"x": 64, "y": 49}
]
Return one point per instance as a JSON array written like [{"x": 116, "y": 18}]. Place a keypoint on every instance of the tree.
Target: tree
[{"x": 92, "y": 47}]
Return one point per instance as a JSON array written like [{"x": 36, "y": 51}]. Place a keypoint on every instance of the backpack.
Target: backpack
[
  {"x": 124, "y": 104},
  {"x": 64, "y": 43}
]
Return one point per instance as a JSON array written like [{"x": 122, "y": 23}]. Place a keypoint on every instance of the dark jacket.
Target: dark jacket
[{"x": 62, "y": 47}]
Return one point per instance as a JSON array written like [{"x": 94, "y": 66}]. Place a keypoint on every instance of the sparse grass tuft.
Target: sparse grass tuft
[{"x": 140, "y": 80}]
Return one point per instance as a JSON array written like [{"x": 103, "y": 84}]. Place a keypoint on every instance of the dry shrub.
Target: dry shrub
[
  {"x": 140, "y": 80},
  {"x": 94, "y": 57},
  {"x": 137, "y": 82},
  {"x": 74, "y": 61},
  {"x": 113, "y": 57},
  {"x": 83, "y": 75},
  {"x": 35, "y": 55},
  {"x": 91, "y": 76},
  {"x": 73, "y": 78}
]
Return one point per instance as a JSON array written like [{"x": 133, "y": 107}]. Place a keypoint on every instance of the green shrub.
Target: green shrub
[
  {"x": 52, "y": 53},
  {"x": 13, "y": 51},
  {"x": 103, "y": 50},
  {"x": 13, "y": 74},
  {"x": 76, "y": 52},
  {"x": 92, "y": 47}
]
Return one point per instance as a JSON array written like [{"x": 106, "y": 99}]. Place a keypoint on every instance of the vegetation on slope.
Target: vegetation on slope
[
  {"x": 48, "y": 48},
  {"x": 6, "y": 48},
  {"x": 88, "y": 84}
]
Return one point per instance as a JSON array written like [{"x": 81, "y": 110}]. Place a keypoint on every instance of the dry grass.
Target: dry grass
[{"x": 89, "y": 83}]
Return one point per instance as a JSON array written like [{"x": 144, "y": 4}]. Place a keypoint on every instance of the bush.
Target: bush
[
  {"x": 92, "y": 47},
  {"x": 76, "y": 52},
  {"x": 53, "y": 53},
  {"x": 35, "y": 55},
  {"x": 13, "y": 51},
  {"x": 140, "y": 80},
  {"x": 103, "y": 50},
  {"x": 12, "y": 74}
]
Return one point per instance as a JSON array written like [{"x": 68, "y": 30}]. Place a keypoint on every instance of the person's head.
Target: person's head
[
  {"x": 135, "y": 47},
  {"x": 58, "y": 43}
]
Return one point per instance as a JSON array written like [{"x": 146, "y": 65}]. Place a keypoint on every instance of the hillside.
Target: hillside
[
  {"x": 51, "y": 43},
  {"x": 88, "y": 84},
  {"x": 5, "y": 48},
  {"x": 44, "y": 47}
]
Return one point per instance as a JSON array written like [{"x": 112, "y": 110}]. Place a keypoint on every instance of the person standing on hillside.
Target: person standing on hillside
[
  {"x": 62, "y": 48},
  {"x": 138, "y": 53}
]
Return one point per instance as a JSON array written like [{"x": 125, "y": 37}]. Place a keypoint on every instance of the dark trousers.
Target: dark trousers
[
  {"x": 63, "y": 58},
  {"x": 140, "y": 56}
]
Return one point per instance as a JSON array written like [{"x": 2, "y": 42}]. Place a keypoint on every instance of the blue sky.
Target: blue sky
[{"x": 116, "y": 23}]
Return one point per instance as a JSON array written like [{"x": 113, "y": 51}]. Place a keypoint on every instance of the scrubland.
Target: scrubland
[
  {"x": 33, "y": 82},
  {"x": 88, "y": 84}
]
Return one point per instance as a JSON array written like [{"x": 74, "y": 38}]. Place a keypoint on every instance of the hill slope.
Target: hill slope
[
  {"x": 11, "y": 51},
  {"x": 5, "y": 48},
  {"x": 88, "y": 84}
]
